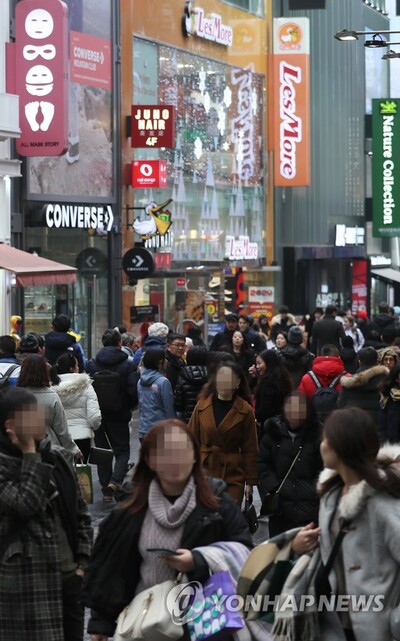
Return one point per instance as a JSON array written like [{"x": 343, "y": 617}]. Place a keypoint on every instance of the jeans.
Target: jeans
[
  {"x": 118, "y": 435},
  {"x": 73, "y": 612}
]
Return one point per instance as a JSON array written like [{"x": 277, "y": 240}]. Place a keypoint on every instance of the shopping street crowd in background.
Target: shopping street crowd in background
[{"x": 264, "y": 409}]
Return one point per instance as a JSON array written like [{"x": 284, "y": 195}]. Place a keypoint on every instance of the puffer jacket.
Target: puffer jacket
[
  {"x": 362, "y": 389},
  {"x": 326, "y": 368},
  {"x": 278, "y": 448},
  {"x": 57, "y": 343},
  {"x": 80, "y": 404},
  {"x": 297, "y": 361},
  {"x": 156, "y": 399},
  {"x": 190, "y": 381}
]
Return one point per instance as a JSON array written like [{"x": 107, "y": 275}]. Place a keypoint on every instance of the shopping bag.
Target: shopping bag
[
  {"x": 84, "y": 473},
  {"x": 219, "y": 617}
]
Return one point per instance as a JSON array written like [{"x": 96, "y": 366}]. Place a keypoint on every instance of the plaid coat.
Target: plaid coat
[{"x": 30, "y": 567}]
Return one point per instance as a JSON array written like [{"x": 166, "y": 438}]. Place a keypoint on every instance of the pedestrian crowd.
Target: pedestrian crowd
[{"x": 304, "y": 413}]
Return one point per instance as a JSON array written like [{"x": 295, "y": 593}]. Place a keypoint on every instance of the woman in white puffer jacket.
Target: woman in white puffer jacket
[{"x": 79, "y": 401}]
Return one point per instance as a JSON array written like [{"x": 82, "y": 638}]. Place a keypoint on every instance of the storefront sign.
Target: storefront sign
[
  {"x": 359, "y": 289},
  {"x": 149, "y": 173},
  {"x": 157, "y": 223},
  {"x": 382, "y": 261},
  {"x": 240, "y": 248},
  {"x": 138, "y": 263},
  {"x": 41, "y": 76},
  {"x": 91, "y": 262},
  {"x": 142, "y": 313},
  {"x": 261, "y": 294},
  {"x": 90, "y": 60},
  {"x": 152, "y": 126},
  {"x": 195, "y": 22},
  {"x": 349, "y": 236},
  {"x": 291, "y": 102},
  {"x": 385, "y": 167},
  {"x": 79, "y": 216}
]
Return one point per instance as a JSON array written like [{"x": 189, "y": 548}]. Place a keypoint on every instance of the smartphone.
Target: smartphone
[{"x": 162, "y": 551}]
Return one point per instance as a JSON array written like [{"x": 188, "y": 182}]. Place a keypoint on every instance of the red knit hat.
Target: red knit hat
[{"x": 362, "y": 314}]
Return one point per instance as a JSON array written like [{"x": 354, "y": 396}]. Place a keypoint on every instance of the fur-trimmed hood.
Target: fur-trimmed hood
[
  {"x": 72, "y": 384},
  {"x": 351, "y": 504},
  {"x": 278, "y": 320},
  {"x": 364, "y": 377}
]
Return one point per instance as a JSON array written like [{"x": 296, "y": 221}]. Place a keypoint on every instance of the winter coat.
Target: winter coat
[
  {"x": 362, "y": 389},
  {"x": 388, "y": 424},
  {"x": 30, "y": 566},
  {"x": 149, "y": 343},
  {"x": 55, "y": 418},
  {"x": 370, "y": 555},
  {"x": 245, "y": 359},
  {"x": 269, "y": 398},
  {"x": 222, "y": 339},
  {"x": 254, "y": 340},
  {"x": 326, "y": 331},
  {"x": 80, "y": 404},
  {"x": 114, "y": 359},
  {"x": 114, "y": 570},
  {"x": 228, "y": 451},
  {"x": 297, "y": 361},
  {"x": 190, "y": 381},
  {"x": 5, "y": 363},
  {"x": 173, "y": 367},
  {"x": 57, "y": 343},
  {"x": 326, "y": 368},
  {"x": 380, "y": 322},
  {"x": 278, "y": 324},
  {"x": 156, "y": 399},
  {"x": 278, "y": 448}
]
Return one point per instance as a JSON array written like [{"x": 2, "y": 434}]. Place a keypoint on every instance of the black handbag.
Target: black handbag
[
  {"x": 250, "y": 515},
  {"x": 272, "y": 503},
  {"x": 101, "y": 455}
]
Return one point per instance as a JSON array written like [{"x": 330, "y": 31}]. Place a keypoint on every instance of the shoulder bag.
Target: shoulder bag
[{"x": 271, "y": 504}]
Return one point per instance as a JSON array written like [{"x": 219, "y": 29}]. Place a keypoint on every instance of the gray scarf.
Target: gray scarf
[{"x": 163, "y": 528}]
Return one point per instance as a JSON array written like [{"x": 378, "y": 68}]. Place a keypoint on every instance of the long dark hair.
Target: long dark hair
[
  {"x": 210, "y": 388},
  {"x": 352, "y": 434},
  {"x": 143, "y": 475},
  {"x": 245, "y": 346},
  {"x": 34, "y": 372},
  {"x": 276, "y": 372},
  {"x": 63, "y": 365}
]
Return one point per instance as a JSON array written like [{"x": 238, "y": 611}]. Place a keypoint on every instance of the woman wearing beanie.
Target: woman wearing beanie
[{"x": 295, "y": 357}]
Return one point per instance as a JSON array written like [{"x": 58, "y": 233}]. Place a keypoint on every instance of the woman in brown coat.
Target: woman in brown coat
[{"x": 223, "y": 423}]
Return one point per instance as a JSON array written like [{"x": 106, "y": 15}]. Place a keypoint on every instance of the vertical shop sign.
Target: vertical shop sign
[
  {"x": 385, "y": 167},
  {"x": 153, "y": 126},
  {"x": 41, "y": 76},
  {"x": 359, "y": 290},
  {"x": 291, "y": 62}
]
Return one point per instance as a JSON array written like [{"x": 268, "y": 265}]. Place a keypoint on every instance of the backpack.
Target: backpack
[
  {"x": 109, "y": 389},
  {"x": 5, "y": 378},
  {"x": 324, "y": 399}
]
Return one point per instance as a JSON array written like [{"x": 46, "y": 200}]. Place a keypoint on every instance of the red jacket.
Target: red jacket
[{"x": 325, "y": 368}]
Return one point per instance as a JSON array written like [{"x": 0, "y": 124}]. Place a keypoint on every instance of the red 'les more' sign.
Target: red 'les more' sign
[
  {"x": 153, "y": 126},
  {"x": 41, "y": 76}
]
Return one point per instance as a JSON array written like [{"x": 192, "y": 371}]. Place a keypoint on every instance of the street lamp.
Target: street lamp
[
  {"x": 390, "y": 55},
  {"x": 376, "y": 42}
]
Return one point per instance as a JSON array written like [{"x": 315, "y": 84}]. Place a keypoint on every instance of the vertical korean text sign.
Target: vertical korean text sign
[
  {"x": 41, "y": 76},
  {"x": 291, "y": 102},
  {"x": 385, "y": 167}
]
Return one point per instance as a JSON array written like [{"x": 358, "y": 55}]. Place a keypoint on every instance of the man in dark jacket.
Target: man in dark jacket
[
  {"x": 58, "y": 341},
  {"x": 296, "y": 358},
  {"x": 224, "y": 338},
  {"x": 115, "y": 425},
  {"x": 327, "y": 331},
  {"x": 382, "y": 319},
  {"x": 174, "y": 354},
  {"x": 362, "y": 389}
]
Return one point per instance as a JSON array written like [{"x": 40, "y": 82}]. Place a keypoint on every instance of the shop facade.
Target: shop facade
[{"x": 207, "y": 61}]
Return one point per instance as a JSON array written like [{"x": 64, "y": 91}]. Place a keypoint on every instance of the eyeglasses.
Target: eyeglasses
[{"x": 178, "y": 345}]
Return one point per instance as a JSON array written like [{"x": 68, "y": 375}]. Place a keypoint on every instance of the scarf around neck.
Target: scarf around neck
[{"x": 172, "y": 515}]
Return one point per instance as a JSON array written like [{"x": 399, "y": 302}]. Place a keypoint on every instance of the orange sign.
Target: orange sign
[{"x": 291, "y": 102}]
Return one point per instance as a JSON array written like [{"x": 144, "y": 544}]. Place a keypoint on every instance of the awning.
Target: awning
[
  {"x": 30, "y": 269},
  {"x": 387, "y": 272}
]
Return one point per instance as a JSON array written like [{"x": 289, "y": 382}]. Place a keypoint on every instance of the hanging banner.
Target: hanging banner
[
  {"x": 291, "y": 107},
  {"x": 359, "y": 287},
  {"x": 385, "y": 167}
]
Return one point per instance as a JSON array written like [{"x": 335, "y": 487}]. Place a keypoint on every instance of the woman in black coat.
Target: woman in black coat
[
  {"x": 172, "y": 506},
  {"x": 296, "y": 432},
  {"x": 190, "y": 382},
  {"x": 272, "y": 387},
  {"x": 389, "y": 412},
  {"x": 242, "y": 352}
]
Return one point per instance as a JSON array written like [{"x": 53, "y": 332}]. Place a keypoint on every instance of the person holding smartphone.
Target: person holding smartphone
[{"x": 173, "y": 507}]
